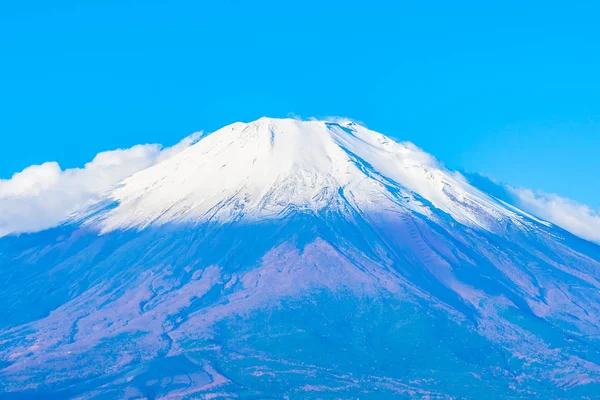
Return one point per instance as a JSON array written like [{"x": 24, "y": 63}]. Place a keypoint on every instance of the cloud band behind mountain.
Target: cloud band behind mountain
[
  {"x": 41, "y": 196},
  {"x": 579, "y": 219}
]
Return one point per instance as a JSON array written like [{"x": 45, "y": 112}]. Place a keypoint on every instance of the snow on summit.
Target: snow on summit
[{"x": 266, "y": 168}]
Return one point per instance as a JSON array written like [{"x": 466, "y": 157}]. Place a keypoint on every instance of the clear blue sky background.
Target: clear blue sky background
[{"x": 511, "y": 90}]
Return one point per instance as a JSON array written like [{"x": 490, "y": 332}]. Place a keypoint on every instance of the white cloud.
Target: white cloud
[
  {"x": 334, "y": 119},
  {"x": 577, "y": 218},
  {"x": 340, "y": 120},
  {"x": 41, "y": 196}
]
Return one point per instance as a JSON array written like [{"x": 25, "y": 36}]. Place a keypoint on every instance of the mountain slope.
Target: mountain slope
[{"x": 302, "y": 259}]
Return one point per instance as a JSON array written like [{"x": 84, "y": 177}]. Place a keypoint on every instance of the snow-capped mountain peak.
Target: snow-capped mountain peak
[{"x": 266, "y": 168}]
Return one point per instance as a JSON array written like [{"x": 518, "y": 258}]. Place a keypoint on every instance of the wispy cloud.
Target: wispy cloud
[
  {"x": 330, "y": 118},
  {"x": 570, "y": 215},
  {"x": 579, "y": 219},
  {"x": 43, "y": 195}
]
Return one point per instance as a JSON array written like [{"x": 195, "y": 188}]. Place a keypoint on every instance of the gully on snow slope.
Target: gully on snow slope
[{"x": 299, "y": 259}]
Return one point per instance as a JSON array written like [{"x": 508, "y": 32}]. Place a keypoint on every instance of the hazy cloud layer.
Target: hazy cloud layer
[
  {"x": 43, "y": 195},
  {"x": 577, "y": 218},
  {"x": 570, "y": 215}
]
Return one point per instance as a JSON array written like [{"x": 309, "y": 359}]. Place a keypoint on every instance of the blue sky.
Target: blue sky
[{"x": 510, "y": 90}]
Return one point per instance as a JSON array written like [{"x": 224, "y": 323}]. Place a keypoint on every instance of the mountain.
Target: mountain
[{"x": 299, "y": 259}]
